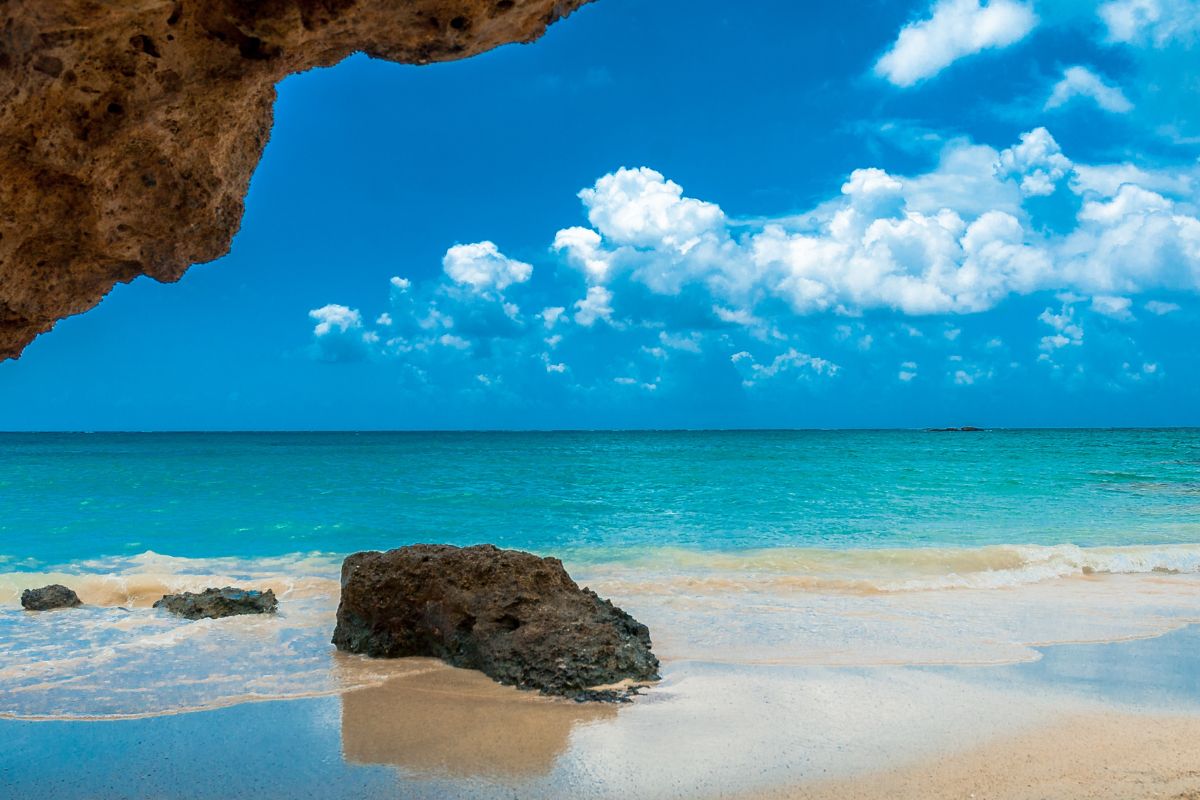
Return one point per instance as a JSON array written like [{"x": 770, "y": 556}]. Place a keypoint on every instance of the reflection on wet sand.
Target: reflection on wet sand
[{"x": 440, "y": 721}]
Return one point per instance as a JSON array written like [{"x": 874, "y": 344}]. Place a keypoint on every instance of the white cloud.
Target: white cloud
[
  {"x": 551, "y": 315},
  {"x": 1066, "y": 330},
  {"x": 401, "y": 284},
  {"x": 1115, "y": 307},
  {"x": 456, "y": 342},
  {"x": 953, "y": 30},
  {"x": 736, "y": 316},
  {"x": 1082, "y": 82},
  {"x": 1038, "y": 161},
  {"x": 639, "y": 207},
  {"x": 596, "y": 305},
  {"x": 335, "y": 318},
  {"x": 957, "y": 239},
  {"x": 1160, "y": 308},
  {"x": 582, "y": 246},
  {"x": 339, "y": 335},
  {"x": 1154, "y": 22},
  {"x": 482, "y": 266},
  {"x": 384, "y": 319},
  {"x": 688, "y": 344},
  {"x": 791, "y": 359}
]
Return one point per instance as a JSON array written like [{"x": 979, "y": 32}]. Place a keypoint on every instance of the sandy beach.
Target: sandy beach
[
  {"x": 1095, "y": 756},
  {"x": 1113, "y": 720}
]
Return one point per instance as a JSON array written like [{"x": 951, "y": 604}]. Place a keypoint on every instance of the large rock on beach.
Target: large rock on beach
[
  {"x": 514, "y": 616},
  {"x": 217, "y": 603},
  {"x": 49, "y": 597}
]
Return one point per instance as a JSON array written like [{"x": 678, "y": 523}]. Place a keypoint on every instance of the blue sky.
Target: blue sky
[{"x": 695, "y": 214}]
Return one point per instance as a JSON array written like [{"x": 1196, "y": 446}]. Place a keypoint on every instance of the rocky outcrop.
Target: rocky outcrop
[
  {"x": 512, "y": 615},
  {"x": 217, "y": 603},
  {"x": 49, "y": 597},
  {"x": 129, "y": 130}
]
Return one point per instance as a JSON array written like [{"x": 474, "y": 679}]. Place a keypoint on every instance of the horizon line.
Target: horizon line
[{"x": 865, "y": 429}]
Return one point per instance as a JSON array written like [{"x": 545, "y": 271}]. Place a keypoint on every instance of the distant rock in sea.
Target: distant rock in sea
[
  {"x": 963, "y": 429},
  {"x": 217, "y": 603},
  {"x": 49, "y": 597},
  {"x": 518, "y": 618}
]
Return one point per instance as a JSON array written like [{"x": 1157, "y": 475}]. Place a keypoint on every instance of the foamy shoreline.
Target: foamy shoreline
[
  {"x": 728, "y": 608},
  {"x": 771, "y": 688}
]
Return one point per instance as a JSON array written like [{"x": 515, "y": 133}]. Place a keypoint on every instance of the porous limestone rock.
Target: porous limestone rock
[{"x": 129, "y": 130}]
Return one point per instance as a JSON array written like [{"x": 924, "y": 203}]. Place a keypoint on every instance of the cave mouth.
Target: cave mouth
[{"x": 130, "y": 131}]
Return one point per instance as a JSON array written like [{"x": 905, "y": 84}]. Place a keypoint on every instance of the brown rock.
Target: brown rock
[
  {"x": 129, "y": 130},
  {"x": 514, "y": 616}
]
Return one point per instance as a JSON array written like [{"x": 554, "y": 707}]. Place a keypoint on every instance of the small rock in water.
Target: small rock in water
[
  {"x": 49, "y": 597},
  {"x": 517, "y": 618},
  {"x": 217, "y": 603}
]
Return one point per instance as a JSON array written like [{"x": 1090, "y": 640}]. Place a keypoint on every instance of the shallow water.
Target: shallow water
[{"x": 709, "y": 730}]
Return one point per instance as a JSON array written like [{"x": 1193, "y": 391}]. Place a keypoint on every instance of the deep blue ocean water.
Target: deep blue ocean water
[{"x": 69, "y": 497}]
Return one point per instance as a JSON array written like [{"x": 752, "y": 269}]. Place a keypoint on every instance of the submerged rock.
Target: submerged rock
[
  {"x": 518, "y": 618},
  {"x": 217, "y": 603},
  {"x": 49, "y": 597}
]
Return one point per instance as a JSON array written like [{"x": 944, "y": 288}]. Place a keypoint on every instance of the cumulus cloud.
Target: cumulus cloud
[
  {"x": 597, "y": 305},
  {"x": 482, "y": 266},
  {"x": 338, "y": 334},
  {"x": 677, "y": 282},
  {"x": 335, "y": 318},
  {"x": 1082, "y": 82},
  {"x": 1153, "y": 22},
  {"x": 920, "y": 244},
  {"x": 639, "y": 207},
  {"x": 1037, "y": 161},
  {"x": 954, "y": 29}
]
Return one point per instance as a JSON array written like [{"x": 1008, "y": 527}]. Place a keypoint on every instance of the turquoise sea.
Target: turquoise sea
[
  {"x": 752, "y": 547},
  {"x": 69, "y": 497}
]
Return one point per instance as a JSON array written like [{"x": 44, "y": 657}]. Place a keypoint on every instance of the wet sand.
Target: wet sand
[
  {"x": 1108, "y": 720},
  {"x": 1097, "y": 756}
]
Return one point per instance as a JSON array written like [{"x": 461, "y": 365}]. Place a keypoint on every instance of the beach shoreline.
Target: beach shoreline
[{"x": 1106, "y": 720}]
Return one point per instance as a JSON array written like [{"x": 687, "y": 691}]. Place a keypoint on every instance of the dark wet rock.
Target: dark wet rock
[
  {"x": 49, "y": 597},
  {"x": 514, "y": 616},
  {"x": 217, "y": 603},
  {"x": 963, "y": 429}
]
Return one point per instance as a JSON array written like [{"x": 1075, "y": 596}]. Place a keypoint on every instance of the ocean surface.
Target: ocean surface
[
  {"x": 807, "y": 547},
  {"x": 69, "y": 497}
]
